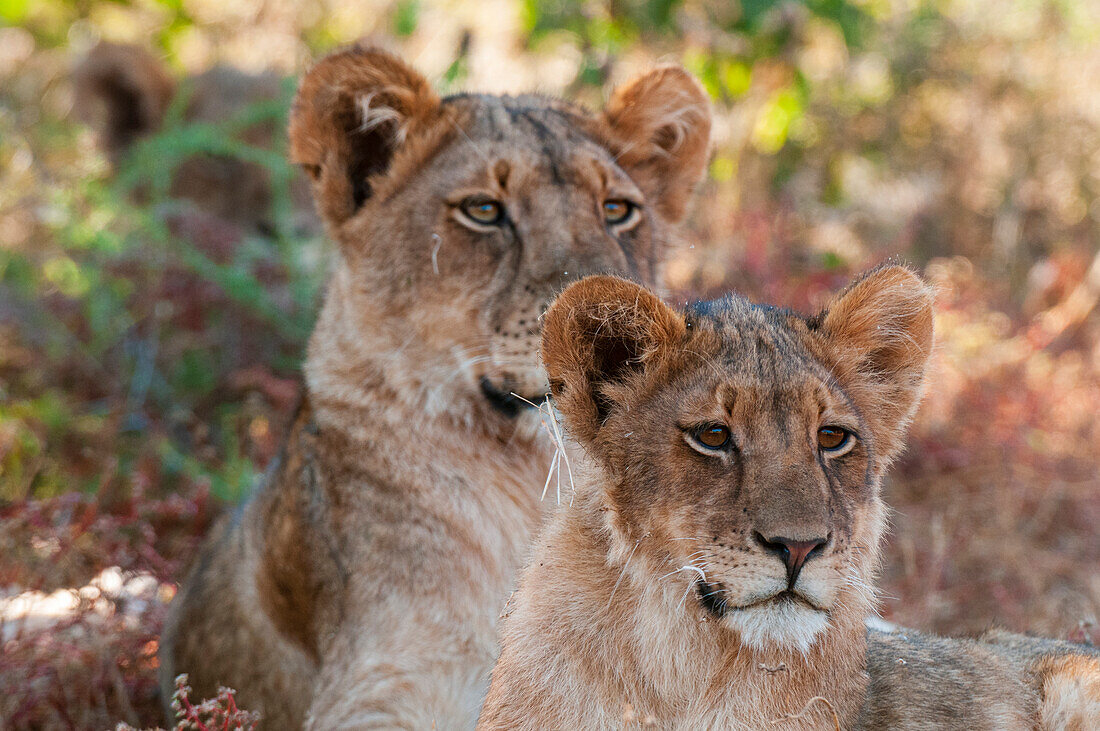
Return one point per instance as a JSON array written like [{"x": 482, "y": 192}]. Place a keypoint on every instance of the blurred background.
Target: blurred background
[{"x": 160, "y": 270}]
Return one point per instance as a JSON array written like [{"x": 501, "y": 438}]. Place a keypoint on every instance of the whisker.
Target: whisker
[
  {"x": 435, "y": 253},
  {"x": 686, "y": 567},
  {"x": 550, "y": 423},
  {"x": 691, "y": 586},
  {"x": 707, "y": 361},
  {"x": 622, "y": 573}
]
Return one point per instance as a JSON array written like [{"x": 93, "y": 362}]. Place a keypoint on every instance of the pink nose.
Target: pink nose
[{"x": 794, "y": 553}]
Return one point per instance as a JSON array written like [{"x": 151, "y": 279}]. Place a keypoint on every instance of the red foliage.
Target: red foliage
[
  {"x": 87, "y": 671},
  {"x": 88, "y": 661},
  {"x": 214, "y": 714}
]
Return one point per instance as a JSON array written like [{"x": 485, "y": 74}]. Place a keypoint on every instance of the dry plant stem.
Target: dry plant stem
[
  {"x": 806, "y": 709},
  {"x": 553, "y": 428}
]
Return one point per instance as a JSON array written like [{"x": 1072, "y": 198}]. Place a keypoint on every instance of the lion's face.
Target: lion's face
[
  {"x": 460, "y": 219},
  {"x": 517, "y": 203},
  {"x": 744, "y": 445},
  {"x": 740, "y": 481}
]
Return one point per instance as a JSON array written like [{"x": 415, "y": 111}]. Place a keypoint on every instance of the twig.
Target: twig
[{"x": 806, "y": 710}]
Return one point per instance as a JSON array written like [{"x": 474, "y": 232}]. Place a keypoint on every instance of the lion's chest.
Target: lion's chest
[{"x": 452, "y": 531}]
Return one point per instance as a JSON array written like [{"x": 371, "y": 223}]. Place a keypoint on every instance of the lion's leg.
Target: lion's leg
[
  {"x": 1070, "y": 693},
  {"x": 1066, "y": 676},
  {"x": 218, "y": 634},
  {"x": 412, "y": 677}
]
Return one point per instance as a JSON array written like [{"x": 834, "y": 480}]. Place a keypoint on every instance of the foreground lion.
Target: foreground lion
[
  {"x": 715, "y": 568},
  {"x": 361, "y": 585}
]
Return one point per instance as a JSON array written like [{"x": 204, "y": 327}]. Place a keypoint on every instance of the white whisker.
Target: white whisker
[
  {"x": 435, "y": 253},
  {"x": 622, "y": 573},
  {"x": 550, "y": 423},
  {"x": 472, "y": 144},
  {"x": 686, "y": 567}
]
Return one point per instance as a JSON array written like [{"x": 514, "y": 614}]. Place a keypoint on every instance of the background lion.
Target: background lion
[
  {"x": 360, "y": 586},
  {"x": 125, "y": 93}
]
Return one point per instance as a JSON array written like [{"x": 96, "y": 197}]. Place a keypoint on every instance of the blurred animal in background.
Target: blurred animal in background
[
  {"x": 717, "y": 568},
  {"x": 361, "y": 584},
  {"x": 127, "y": 95},
  {"x": 198, "y": 166}
]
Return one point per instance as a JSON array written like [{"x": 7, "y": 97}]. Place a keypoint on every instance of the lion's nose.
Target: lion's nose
[{"x": 794, "y": 553}]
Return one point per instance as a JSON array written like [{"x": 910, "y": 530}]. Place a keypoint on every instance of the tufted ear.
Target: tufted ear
[
  {"x": 600, "y": 332},
  {"x": 880, "y": 333},
  {"x": 661, "y": 121},
  {"x": 121, "y": 91},
  {"x": 353, "y": 111}
]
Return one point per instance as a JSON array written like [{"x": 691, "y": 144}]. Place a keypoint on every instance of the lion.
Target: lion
[
  {"x": 361, "y": 584},
  {"x": 124, "y": 93},
  {"x": 716, "y": 567}
]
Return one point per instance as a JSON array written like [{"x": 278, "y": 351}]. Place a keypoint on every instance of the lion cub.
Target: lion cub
[{"x": 715, "y": 568}]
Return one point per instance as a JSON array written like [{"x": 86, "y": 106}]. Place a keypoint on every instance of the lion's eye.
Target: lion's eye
[
  {"x": 617, "y": 211},
  {"x": 714, "y": 436},
  {"x": 483, "y": 210},
  {"x": 832, "y": 438}
]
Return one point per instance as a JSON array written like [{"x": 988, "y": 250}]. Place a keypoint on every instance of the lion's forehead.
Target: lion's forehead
[
  {"x": 757, "y": 351},
  {"x": 534, "y": 129},
  {"x": 758, "y": 368}
]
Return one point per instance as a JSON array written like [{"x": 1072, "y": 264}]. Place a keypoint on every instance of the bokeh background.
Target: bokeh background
[{"x": 151, "y": 330}]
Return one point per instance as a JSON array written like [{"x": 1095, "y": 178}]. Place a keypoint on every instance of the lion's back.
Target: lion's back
[{"x": 999, "y": 681}]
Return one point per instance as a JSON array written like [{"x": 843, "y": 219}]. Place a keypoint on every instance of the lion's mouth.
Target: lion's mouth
[
  {"x": 712, "y": 598},
  {"x": 505, "y": 401}
]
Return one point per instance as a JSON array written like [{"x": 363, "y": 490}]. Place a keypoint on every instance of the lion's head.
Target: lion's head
[
  {"x": 124, "y": 93},
  {"x": 741, "y": 447},
  {"x": 458, "y": 219}
]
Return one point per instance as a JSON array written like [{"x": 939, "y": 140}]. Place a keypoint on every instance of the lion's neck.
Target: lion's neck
[
  {"x": 369, "y": 373},
  {"x": 405, "y": 416}
]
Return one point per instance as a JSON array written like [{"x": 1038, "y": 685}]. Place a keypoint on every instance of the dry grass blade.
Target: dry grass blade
[
  {"x": 557, "y": 436},
  {"x": 806, "y": 710}
]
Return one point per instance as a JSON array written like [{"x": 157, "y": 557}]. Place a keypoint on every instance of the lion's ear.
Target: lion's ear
[
  {"x": 880, "y": 334},
  {"x": 353, "y": 111},
  {"x": 598, "y": 333},
  {"x": 661, "y": 122},
  {"x": 122, "y": 91}
]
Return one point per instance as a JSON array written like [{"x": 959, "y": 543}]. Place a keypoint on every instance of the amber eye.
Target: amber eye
[
  {"x": 714, "y": 436},
  {"x": 483, "y": 210},
  {"x": 617, "y": 211},
  {"x": 832, "y": 438}
]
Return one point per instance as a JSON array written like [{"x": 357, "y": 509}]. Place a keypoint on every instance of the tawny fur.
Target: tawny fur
[
  {"x": 656, "y": 599},
  {"x": 1001, "y": 680},
  {"x": 361, "y": 586}
]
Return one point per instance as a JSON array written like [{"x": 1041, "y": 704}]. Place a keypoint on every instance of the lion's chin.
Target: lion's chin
[{"x": 781, "y": 623}]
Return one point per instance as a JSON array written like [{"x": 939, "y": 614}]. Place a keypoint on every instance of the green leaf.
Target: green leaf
[
  {"x": 14, "y": 11},
  {"x": 773, "y": 125},
  {"x": 406, "y": 16}
]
